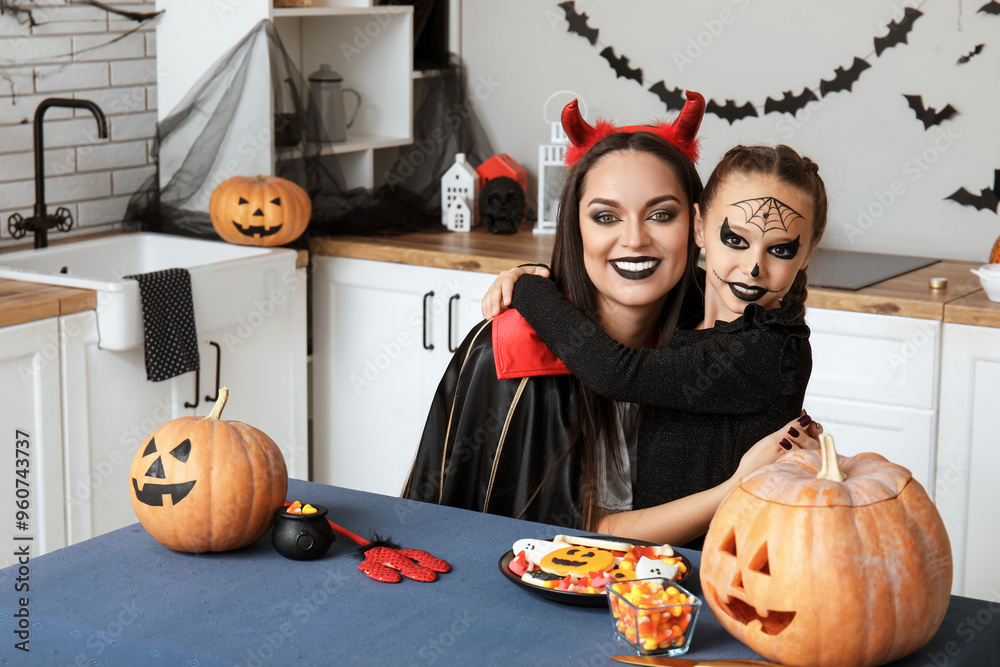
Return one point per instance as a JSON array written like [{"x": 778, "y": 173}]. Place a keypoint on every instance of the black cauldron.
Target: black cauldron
[{"x": 302, "y": 536}]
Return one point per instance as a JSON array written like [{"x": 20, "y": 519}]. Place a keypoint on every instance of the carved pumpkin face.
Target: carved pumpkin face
[
  {"x": 259, "y": 211},
  {"x": 799, "y": 568},
  {"x": 154, "y": 490},
  {"x": 203, "y": 484}
]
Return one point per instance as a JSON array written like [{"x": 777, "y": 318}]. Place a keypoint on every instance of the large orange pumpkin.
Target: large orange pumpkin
[
  {"x": 828, "y": 563},
  {"x": 259, "y": 211},
  {"x": 203, "y": 484}
]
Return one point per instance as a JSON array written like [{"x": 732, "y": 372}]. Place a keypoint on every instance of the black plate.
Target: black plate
[{"x": 572, "y": 597}]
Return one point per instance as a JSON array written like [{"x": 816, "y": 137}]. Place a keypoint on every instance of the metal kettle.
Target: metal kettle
[{"x": 327, "y": 87}]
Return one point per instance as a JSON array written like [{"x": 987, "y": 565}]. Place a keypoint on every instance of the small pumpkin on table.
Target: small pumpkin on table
[{"x": 203, "y": 484}]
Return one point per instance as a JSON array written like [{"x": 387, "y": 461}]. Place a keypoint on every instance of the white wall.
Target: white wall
[
  {"x": 868, "y": 142},
  {"x": 93, "y": 178}
]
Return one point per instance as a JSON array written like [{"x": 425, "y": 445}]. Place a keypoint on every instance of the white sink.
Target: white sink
[{"x": 231, "y": 285}]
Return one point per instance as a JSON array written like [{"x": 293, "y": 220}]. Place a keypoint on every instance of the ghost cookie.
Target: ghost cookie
[
  {"x": 578, "y": 561},
  {"x": 535, "y": 550},
  {"x": 654, "y": 567}
]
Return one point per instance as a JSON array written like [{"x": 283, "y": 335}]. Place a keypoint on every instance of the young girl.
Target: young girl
[{"x": 732, "y": 374}]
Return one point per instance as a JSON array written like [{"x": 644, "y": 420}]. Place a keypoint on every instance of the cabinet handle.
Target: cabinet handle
[
  {"x": 197, "y": 383},
  {"x": 451, "y": 326},
  {"x": 427, "y": 346},
  {"x": 218, "y": 367}
]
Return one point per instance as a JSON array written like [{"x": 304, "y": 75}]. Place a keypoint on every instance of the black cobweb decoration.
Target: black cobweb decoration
[{"x": 191, "y": 141}]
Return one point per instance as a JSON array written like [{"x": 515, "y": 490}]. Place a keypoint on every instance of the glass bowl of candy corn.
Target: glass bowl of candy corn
[{"x": 653, "y": 616}]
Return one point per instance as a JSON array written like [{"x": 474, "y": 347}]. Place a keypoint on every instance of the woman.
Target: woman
[{"x": 734, "y": 372}]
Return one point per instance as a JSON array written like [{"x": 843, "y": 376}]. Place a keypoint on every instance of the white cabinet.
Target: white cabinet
[
  {"x": 31, "y": 440},
  {"x": 383, "y": 334},
  {"x": 874, "y": 385},
  {"x": 370, "y": 46},
  {"x": 968, "y": 456},
  {"x": 109, "y": 407}
]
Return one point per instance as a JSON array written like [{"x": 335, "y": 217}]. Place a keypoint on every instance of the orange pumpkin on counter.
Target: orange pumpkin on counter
[
  {"x": 259, "y": 211},
  {"x": 203, "y": 484},
  {"x": 828, "y": 563},
  {"x": 995, "y": 252}
]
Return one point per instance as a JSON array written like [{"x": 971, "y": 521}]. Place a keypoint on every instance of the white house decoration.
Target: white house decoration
[
  {"x": 460, "y": 216},
  {"x": 460, "y": 188}
]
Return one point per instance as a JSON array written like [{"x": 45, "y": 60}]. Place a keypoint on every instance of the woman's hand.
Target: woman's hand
[
  {"x": 499, "y": 294},
  {"x": 801, "y": 433}
]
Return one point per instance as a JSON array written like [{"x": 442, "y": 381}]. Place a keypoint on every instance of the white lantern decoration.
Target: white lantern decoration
[
  {"x": 551, "y": 168},
  {"x": 459, "y": 192}
]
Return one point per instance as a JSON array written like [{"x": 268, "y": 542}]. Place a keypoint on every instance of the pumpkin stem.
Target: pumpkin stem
[
  {"x": 830, "y": 469},
  {"x": 258, "y": 179},
  {"x": 216, "y": 412}
]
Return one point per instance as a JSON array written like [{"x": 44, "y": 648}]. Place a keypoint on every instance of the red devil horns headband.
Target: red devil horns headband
[{"x": 681, "y": 133}]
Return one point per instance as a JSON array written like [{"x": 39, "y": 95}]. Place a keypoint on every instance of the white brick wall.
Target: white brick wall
[{"x": 69, "y": 53}]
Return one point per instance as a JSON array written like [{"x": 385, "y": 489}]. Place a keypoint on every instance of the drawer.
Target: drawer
[{"x": 874, "y": 358}]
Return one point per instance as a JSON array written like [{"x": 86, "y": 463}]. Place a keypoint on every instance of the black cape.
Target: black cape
[{"x": 489, "y": 444}]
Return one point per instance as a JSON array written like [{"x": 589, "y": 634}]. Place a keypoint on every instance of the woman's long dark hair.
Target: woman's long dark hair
[
  {"x": 790, "y": 168},
  {"x": 597, "y": 421}
]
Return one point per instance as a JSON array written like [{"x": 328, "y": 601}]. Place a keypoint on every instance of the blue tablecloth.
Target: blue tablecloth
[{"x": 123, "y": 599}]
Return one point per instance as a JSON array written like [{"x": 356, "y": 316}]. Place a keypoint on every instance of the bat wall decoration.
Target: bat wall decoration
[
  {"x": 730, "y": 112},
  {"x": 674, "y": 99},
  {"x": 929, "y": 116},
  {"x": 969, "y": 56},
  {"x": 578, "y": 22},
  {"x": 988, "y": 198},
  {"x": 844, "y": 79},
  {"x": 991, "y": 7},
  {"x": 898, "y": 31},
  {"x": 790, "y": 103},
  {"x": 620, "y": 65}
]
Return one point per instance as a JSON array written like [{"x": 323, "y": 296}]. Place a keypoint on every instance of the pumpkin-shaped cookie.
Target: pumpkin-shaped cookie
[{"x": 578, "y": 561}]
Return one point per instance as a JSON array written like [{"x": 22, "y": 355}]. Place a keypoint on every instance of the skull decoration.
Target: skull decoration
[
  {"x": 502, "y": 205},
  {"x": 203, "y": 484},
  {"x": 259, "y": 211},
  {"x": 815, "y": 561}
]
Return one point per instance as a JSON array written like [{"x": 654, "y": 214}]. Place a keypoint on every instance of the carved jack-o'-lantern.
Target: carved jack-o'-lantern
[
  {"x": 203, "y": 484},
  {"x": 813, "y": 562},
  {"x": 501, "y": 205},
  {"x": 259, "y": 211}
]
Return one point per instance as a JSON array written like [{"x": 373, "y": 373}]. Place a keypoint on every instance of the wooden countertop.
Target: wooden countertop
[
  {"x": 22, "y": 301},
  {"x": 908, "y": 295},
  {"x": 975, "y": 309}
]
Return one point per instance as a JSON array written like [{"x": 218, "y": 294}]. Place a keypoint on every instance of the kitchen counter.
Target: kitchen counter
[{"x": 908, "y": 295}]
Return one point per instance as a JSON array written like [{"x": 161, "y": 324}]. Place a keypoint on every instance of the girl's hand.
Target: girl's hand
[
  {"x": 801, "y": 433},
  {"x": 499, "y": 294}
]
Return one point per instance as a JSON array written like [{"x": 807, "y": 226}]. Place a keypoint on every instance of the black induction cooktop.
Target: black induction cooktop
[{"x": 850, "y": 270}]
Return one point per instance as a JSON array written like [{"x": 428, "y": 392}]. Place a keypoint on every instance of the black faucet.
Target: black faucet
[{"x": 62, "y": 219}]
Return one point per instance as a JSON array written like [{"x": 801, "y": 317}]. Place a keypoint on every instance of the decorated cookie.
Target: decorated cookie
[
  {"x": 541, "y": 578},
  {"x": 595, "y": 542},
  {"x": 654, "y": 567},
  {"x": 579, "y": 561},
  {"x": 535, "y": 550}
]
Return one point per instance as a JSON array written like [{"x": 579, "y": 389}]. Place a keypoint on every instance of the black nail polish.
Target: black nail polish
[
  {"x": 804, "y": 420},
  {"x": 794, "y": 432},
  {"x": 784, "y": 443}
]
